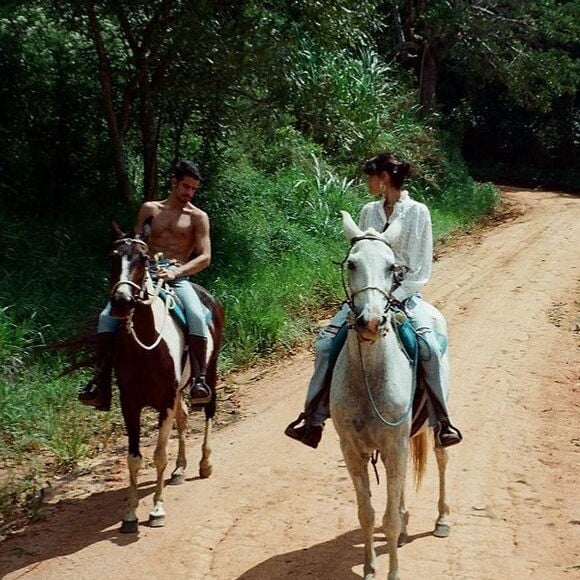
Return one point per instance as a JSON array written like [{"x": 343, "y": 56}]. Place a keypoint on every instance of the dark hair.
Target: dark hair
[
  {"x": 186, "y": 169},
  {"x": 398, "y": 169}
]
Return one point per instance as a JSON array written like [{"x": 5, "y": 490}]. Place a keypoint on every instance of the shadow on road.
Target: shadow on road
[
  {"x": 332, "y": 560},
  {"x": 75, "y": 525}
]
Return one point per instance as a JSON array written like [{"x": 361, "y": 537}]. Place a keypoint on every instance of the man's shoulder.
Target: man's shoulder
[
  {"x": 196, "y": 212},
  {"x": 152, "y": 206}
]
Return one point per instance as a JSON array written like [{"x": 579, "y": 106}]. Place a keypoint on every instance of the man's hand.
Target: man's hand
[{"x": 167, "y": 275}]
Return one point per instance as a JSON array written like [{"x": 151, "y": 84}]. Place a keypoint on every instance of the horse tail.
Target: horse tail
[{"x": 419, "y": 452}]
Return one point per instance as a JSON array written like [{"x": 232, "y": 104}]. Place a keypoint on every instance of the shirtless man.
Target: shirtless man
[{"x": 178, "y": 231}]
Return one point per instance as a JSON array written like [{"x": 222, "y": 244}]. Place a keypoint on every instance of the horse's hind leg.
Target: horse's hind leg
[
  {"x": 357, "y": 466},
  {"x": 205, "y": 467},
  {"x": 181, "y": 418},
  {"x": 443, "y": 523},
  {"x": 157, "y": 514}
]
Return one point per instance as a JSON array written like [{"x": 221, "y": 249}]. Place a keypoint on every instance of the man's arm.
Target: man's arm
[
  {"x": 145, "y": 212},
  {"x": 202, "y": 250}
]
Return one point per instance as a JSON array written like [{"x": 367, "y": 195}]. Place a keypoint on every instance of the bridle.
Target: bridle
[
  {"x": 348, "y": 293},
  {"x": 144, "y": 296},
  {"x": 349, "y": 299}
]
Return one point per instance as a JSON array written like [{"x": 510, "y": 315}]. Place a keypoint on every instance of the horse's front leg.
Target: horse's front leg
[
  {"x": 395, "y": 462},
  {"x": 130, "y": 523},
  {"x": 443, "y": 523},
  {"x": 181, "y": 420},
  {"x": 157, "y": 514},
  {"x": 357, "y": 466},
  {"x": 404, "y": 516}
]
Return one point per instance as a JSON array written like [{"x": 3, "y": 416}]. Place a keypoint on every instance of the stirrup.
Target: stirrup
[
  {"x": 307, "y": 433},
  {"x": 451, "y": 436},
  {"x": 200, "y": 392}
]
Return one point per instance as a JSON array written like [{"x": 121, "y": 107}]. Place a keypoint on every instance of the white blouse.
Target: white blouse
[{"x": 414, "y": 248}]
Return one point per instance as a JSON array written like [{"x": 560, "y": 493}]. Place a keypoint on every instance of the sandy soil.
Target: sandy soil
[{"x": 276, "y": 509}]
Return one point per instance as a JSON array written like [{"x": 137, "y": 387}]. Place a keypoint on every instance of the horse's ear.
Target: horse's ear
[
  {"x": 393, "y": 232},
  {"x": 116, "y": 230},
  {"x": 351, "y": 230}
]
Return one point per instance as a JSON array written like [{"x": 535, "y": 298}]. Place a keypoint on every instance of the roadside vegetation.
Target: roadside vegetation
[{"x": 280, "y": 107}]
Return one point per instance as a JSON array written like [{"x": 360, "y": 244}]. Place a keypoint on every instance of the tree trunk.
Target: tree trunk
[
  {"x": 428, "y": 79},
  {"x": 115, "y": 136}
]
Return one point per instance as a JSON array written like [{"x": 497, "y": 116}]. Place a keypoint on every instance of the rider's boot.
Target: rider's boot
[
  {"x": 445, "y": 433},
  {"x": 200, "y": 391},
  {"x": 98, "y": 392}
]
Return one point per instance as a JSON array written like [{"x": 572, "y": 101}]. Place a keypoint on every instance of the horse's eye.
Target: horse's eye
[
  {"x": 350, "y": 265},
  {"x": 114, "y": 253}
]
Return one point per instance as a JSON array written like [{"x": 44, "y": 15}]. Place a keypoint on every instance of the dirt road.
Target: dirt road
[{"x": 275, "y": 509}]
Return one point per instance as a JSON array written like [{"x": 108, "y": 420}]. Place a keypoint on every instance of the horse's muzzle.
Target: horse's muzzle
[
  {"x": 369, "y": 329},
  {"x": 121, "y": 306}
]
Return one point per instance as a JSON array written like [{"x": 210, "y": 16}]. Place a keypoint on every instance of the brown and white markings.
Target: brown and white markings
[{"x": 151, "y": 369}]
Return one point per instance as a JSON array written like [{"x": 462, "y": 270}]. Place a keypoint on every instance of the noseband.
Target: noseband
[{"x": 350, "y": 295}]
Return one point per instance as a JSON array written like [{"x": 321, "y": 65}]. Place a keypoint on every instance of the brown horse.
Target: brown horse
[{"x": 152, "y": 367}]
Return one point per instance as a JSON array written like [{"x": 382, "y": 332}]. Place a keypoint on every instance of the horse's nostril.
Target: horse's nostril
[{"x": 383, "y": 321}]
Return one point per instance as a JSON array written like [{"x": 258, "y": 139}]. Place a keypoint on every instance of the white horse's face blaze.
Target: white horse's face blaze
[{"x": 128, "y": 267}]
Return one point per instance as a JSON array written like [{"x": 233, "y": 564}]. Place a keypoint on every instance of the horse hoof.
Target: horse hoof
[
  {"x": 177, "y": 479},
  {"x": 442, "y": 531},
  {"x": 403, "y": 539},
  {"x": 205, "y": 472},
  {"x": 129, "y": 526},
  {"x": 156, "y": 521}
]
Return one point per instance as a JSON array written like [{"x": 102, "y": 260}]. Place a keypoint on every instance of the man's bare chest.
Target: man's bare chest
[{"x": 172, "y": 223}]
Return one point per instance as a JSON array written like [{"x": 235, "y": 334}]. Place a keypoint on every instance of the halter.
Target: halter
[
  {"x": 349, "y": 299},
  {"x": 143, "y": 292}
]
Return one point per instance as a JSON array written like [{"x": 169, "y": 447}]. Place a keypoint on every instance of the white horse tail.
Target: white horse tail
[{"x": 419, "y": 448}]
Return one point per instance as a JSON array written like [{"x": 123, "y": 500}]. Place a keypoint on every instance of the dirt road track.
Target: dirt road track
[{"x": 275, "y": 509}]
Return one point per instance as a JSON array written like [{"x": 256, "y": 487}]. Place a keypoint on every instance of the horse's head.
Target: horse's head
[
  {"x": 371, "y": 271},
  {"x": 129, "y": 262}
]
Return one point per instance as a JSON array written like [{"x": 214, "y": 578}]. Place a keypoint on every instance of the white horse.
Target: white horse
[{"x": 371, "y": 397}]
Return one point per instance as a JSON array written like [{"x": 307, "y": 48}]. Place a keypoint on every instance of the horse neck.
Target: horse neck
[{"x": 380, "y": 366}]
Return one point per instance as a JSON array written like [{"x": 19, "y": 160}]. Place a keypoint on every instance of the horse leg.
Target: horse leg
[
  {"x": 395, "y": 464},
  {"x": 357, "y": 466},
  {"x": 157, "y": 514},
  {"x": 404, "y": 516},
  {"x": 205, "y": 467},
  {"x": 443, "y": 523},
  {"x": 181, "y": 418},
  {"x": 130, "y": 523}
]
